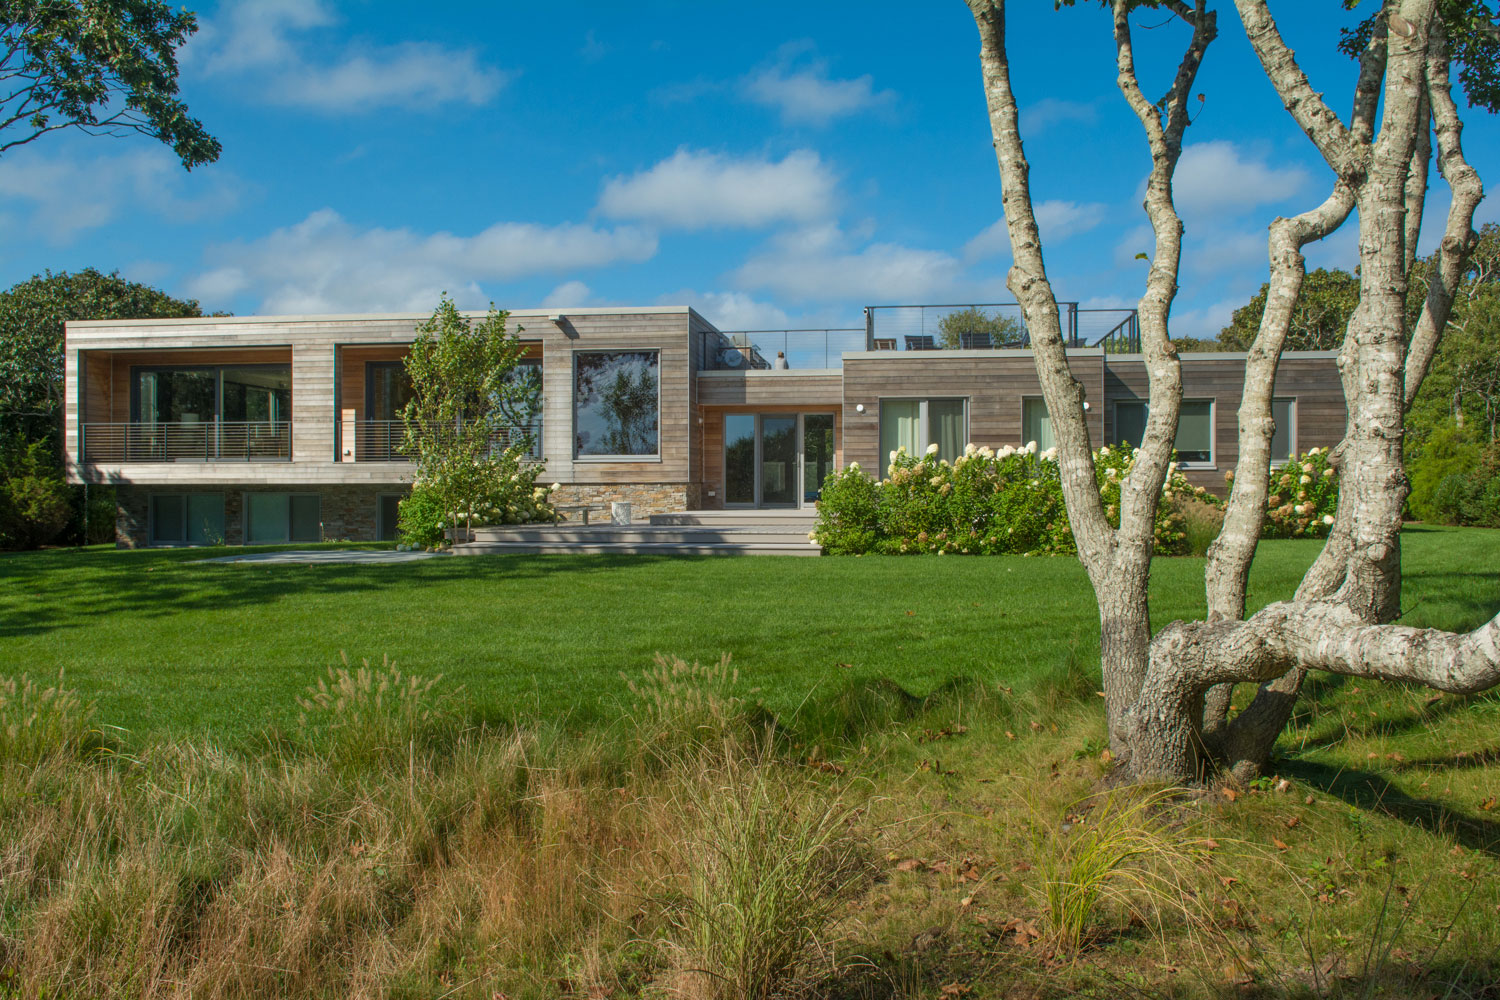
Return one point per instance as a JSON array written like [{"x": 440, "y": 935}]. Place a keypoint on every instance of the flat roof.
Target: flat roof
[{"x": 384, "y": 317}]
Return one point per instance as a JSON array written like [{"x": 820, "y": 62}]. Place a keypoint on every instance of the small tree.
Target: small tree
[
  {"x": 971, "y": 321},
  {"x": 469, "y": 421}
]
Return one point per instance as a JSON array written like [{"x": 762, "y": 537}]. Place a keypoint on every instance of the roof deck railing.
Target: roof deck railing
[
  {"x": 794, "y": 350},
  {"x": 994, "y": 326}
]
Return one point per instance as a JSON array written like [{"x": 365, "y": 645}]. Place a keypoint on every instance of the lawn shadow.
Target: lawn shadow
[
  {"x": 152, "y": 584},
  {"x": 1372, "y": 792}
]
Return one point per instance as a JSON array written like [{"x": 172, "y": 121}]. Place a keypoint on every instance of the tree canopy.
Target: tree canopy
[
  {"x": 1318, "y": 321},
  {"x": 104, "y": 67},
  {"x": 975, "y": 322},
  {"x": 32, "y": 314}
]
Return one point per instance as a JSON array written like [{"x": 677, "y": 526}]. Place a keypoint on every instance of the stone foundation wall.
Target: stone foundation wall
[
  {"x": 347, "y": 512},
  {"x": 645, "y": 499}
]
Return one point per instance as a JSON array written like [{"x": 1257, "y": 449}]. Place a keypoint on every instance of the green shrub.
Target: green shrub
[
  {"x": 984, "y": 503},
  {"x": 1448, "y": 451},
  {"x": 1469, "y": 497},
  {"x": 35, "y": 505}
]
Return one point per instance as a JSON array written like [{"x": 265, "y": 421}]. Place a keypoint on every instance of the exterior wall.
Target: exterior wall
[
  {"x": 347, "y": 512},
  {"x": 1309, "y": 377},
  {"x": 994, "y": 382},
  {"x": 327, "y": 355}
]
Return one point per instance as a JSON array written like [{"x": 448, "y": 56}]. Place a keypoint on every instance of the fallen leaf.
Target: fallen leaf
[
  {"x": 1308, "y": 801},
  {"x": 1279, "y": 844},
  {"x": 1009, "y": 735},
  {"x": 910, "y": 864},
  {"x": 1231, "y": 794},
  {"x": 1488, "y": 804},
  {"x": 1036, "y": 727},
  {"x": 1293, "y": 821},
  {"x": 911, "y": 612},
  {"x": 847, "y": 666},
  {"x": 966, "y": 902}
]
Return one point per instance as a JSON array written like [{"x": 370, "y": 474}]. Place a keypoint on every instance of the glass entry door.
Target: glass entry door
[{"x": 776, "y": 459}]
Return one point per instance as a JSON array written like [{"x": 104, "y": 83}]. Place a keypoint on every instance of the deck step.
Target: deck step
[
  {"x": 661, "y": 534},
  {"x": 718, "y": 518},
  {"x": 543, "y": 547}
]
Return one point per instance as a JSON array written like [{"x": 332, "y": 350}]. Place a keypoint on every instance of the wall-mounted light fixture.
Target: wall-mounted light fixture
[{"x": 859, "y": 408}]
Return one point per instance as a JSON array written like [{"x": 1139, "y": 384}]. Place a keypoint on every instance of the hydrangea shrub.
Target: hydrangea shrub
[
  {"x": 1303, "y": 497},
  {"x": 506, "y": 493},
  {"x": 985, "y": 502}
]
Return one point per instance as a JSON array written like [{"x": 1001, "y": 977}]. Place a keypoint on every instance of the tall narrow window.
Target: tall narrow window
[
  {"x": 1130, "y": 422},
  {"x": 1036, "y": 423},
  {"x": 917, "y": 424},
  {"x": 1284, "y": 440},
  {"x": 617, "y": 404}
]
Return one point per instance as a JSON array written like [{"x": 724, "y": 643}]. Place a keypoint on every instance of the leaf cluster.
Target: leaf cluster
[
  {"x": 1473, "y": 39},
  {"x": 100, "y": 66}
]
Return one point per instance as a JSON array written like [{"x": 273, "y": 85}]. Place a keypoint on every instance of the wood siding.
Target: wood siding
[{"x": 993, "y": 382}]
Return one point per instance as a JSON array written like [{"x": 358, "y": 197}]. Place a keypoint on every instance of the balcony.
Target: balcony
[
  {"x": 197, "y": 441},
  {"x": 385, "y": 440}
]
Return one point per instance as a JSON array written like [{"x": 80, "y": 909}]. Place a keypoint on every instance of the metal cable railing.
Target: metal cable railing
[{"x": 198, "y": 441}]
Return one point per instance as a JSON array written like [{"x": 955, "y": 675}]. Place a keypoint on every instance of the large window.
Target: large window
[
  {"x": 1284, "y": 439},
  {"x": 1195, "y": 428},
  {"x": 1036, "y": 423},
  {"x": 282, "y": 517},
  {"x": 616, "y": 404},
  {"x": 203, "y": 393},
  {"x": 387, "y": 389},
  {"x": 187, "y": 518},
  {"x": 916, "y": 424}
]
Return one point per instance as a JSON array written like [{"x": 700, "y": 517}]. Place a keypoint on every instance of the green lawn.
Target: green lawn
[{"x": 170, "y": 645}]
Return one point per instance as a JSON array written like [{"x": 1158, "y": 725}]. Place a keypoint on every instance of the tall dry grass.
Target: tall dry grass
[{"x": 384, "y": 848}]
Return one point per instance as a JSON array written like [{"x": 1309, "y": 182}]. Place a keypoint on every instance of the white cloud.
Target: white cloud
[
  {"x": 261, "y": 38},
  {"x": 1204, "y": 323},
  {"x": 568, "y": 295},
  {"x": 1216, "y": 178},
  {"x": 820, "y": 263},
  {"x": 1057, "y": 219},
  {"x": 69, "y": 195},
  {"x": 1051, "y": 111},
  {"x": 1060, "y": 219},
  {"x": 731, "y": 310},
  {"x": 324, "y": 264},
  {"x": 1228, "y": 254},
  {"x": 991, "y": 241},
  {"x": 806, "y": 95},
  {"x": 695, "y": 190}
]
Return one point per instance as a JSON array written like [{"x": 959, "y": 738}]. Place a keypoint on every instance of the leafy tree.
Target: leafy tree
[
  {"x": 35, "y": 505},
  {"x": 971, "y": 321},
  {"x": 1322, "y": 312},
  {"x": 466, "y": 397},
  {"x": 630, "y": 403},
  {"x": 32, "y": 314},
  {"x": 104, "y": 67}
]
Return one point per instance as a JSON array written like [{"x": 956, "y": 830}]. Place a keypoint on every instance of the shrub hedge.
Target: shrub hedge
[{"x": 990, "y": 502}]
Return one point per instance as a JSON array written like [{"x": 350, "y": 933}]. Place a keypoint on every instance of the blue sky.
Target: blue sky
[{"x": 771, "y": 164}]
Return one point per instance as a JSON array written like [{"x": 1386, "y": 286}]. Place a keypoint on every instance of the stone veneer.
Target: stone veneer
[
  {"x": 645, "y": 499},
  {"x": 348, "y": 512}
]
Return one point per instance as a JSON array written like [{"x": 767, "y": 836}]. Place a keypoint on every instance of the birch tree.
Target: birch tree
[{"x": 1168, "y": 697}]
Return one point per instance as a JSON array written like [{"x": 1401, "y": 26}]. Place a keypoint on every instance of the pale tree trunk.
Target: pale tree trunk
[
  {"x": 1336, "y": 622},
  {"x": 1118, "y": 561}
]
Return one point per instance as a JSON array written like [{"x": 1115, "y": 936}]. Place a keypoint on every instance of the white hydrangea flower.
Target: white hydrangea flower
[
  {"x": 970, "y": 449},
  {"x": 1111, "y": 473},
  {"x": 1327, "y": 518},
  {"x": 1031, "y": 447},
  {"x": 1305, "y": 480},
  {"x": 1299, "y": 509},
  {"x": 1306, "y": 466},
  {"x": 893, "y": 458},
  {"x": 932, "y": 449},
  {"x": 987, "y": 452},
  {"x": 1050, "y": 454}
]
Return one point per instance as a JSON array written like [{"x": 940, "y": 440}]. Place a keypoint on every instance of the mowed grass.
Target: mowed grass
[{"x": 170, "y": 645}]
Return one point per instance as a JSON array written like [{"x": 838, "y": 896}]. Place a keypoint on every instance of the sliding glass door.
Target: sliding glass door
[{"x": 776, "y": 459}]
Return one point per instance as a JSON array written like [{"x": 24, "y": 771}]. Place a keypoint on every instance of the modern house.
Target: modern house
[{"x": 287, "y": 428}]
